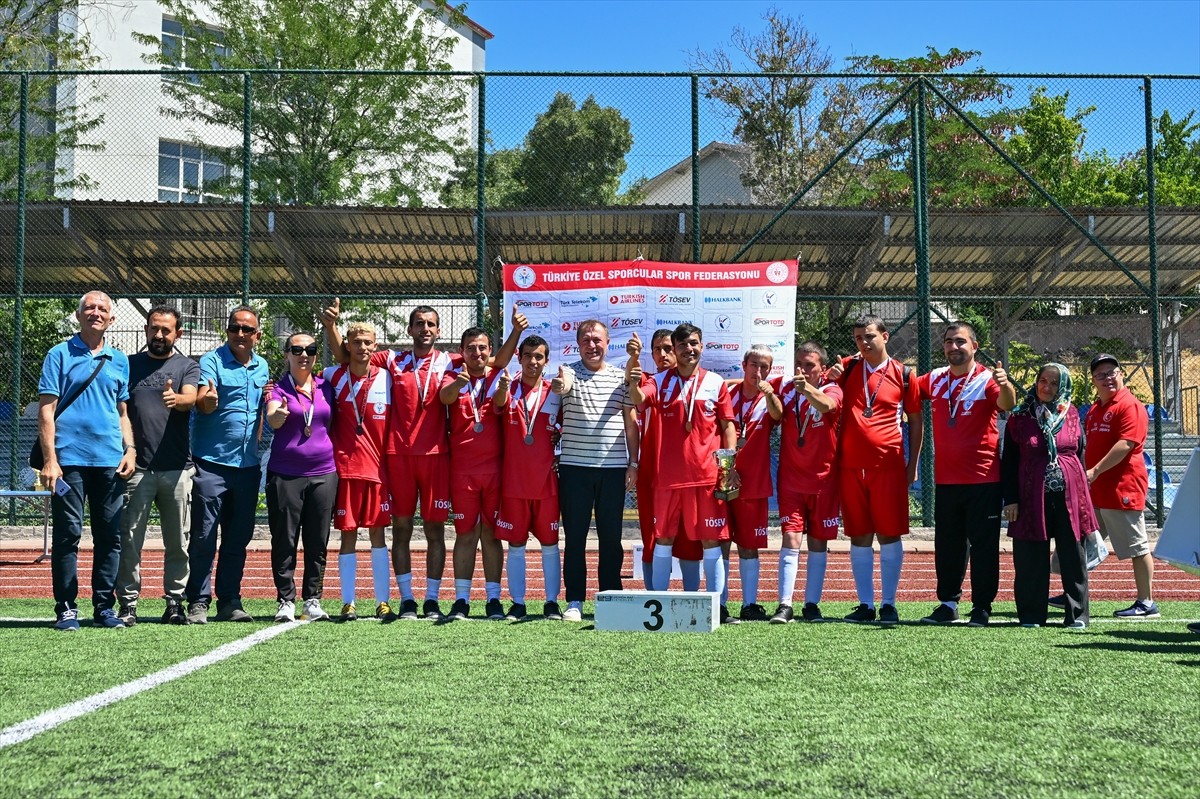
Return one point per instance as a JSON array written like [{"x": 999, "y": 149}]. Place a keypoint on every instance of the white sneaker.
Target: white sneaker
[
  {"x": 313, "y": 610},
  {"x": 574, "y": 612},
  {"x": 286, "y": 612}
]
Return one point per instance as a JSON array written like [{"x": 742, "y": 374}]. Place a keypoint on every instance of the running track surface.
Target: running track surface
[{"x": 20, "y": 578}]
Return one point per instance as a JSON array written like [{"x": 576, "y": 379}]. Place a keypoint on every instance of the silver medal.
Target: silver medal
[
  {"x": 529, "y": 439},
  {"x": 478, "y": 427}
]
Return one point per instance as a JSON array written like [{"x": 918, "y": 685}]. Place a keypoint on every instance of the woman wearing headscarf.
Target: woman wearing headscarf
[
  {"x": 1046, "y": 498},
  {"x": 301, "y": 478}
]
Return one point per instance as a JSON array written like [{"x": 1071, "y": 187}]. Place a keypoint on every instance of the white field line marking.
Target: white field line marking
[{"x": 23, "y": 731}]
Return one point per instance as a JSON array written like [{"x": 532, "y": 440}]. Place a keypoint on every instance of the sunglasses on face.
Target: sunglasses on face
[
  {"x": 310, "y": 350},
  {"x": 245, "y": 329}
]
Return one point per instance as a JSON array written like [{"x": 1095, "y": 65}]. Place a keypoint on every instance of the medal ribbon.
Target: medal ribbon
[
  {"x": 307, "y": 413},
  {"x": 871, "y": 395},
  {"x": 742, "y": 418},
  {"x": 352, "y": 394},
  {"x": 528, "y": 412},
  {"x": 954, "y": 403}
]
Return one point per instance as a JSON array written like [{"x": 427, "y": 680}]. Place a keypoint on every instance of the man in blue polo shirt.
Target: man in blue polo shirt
[
  {"x": 225, "y": 433},
  {"x": 88, "y": 452}
]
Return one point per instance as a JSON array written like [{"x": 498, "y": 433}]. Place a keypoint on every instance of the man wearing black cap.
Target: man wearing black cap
[{"x": 1116, "y": 433}]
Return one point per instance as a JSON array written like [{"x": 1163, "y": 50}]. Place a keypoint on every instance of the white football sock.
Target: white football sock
[
  {"x": 748, "y": 569},
  {"x": 381, "y": 573},
  {"x": 404, "y": 583},
  {"x": 462, "y": 589},
  {"x": 347, "y": 574},
  {"x": 515, "y": 568},
  {"x": 891, "y": 557},
  {"x": 714, "y": 570},
  {"x": 814, "y": 577},
  {"x": 862, "y": 564},
  {"x": 432, "y": 588},
  {"x": 492, "y": 590},
  {"x": 551, "y": 571},
  {"x": 689, "y": 570},
  {"x": 662, "y": 567},
  {"x": 789, "y": 564}
]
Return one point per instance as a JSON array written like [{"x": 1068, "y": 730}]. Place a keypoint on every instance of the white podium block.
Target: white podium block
[
  {"x": 658, "y": 611},
  {"x": 1179, "y": 542},
  {"x": 639, "y": 567}
]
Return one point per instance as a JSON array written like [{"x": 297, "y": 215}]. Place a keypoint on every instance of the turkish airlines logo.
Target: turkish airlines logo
[{"x": 626, "y": 299}]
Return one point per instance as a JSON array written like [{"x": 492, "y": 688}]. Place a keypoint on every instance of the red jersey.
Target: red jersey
[
  {"x": 874, "y": 402},
  {"x": 418, "y": 423},
  {"x": 1124, "y": 486},
  {"x": 754, "y": 425},
  {"x": 684, "y": 459},
  {"x": 807, "y": 469},
  {"x": 529, "y": 467},
  {"x": 475, "y": 436},
  {"x": 966, "y": 440},
  {"x": 360, "y": 404}
]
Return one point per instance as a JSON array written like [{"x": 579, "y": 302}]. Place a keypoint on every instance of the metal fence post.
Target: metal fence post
[
  {"x": 480, "y": 203},
  {"x": 245, "y": 188},
  {"x": 14, "y": 467},
  {"x": 921, "y": 233},
  {"x": 695, "y": 169},
  {"x": 1155, "y": 307}
]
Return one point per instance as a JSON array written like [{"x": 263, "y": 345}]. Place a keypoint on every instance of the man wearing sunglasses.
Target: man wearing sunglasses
[
  {"x": 1116, "y": 428},
  {"x": 225, "y": 436}
]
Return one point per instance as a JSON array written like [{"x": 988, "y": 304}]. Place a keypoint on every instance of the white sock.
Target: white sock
[
  {"x": 381, "y": 573},
  {"x": 404, "y": 583},
  {"x": 462, "y": 589},
  {"x": 862, "y": 564},
  {"x": 951, "y": 605},
  {"x": 492, "y": 590},
  {"x": 748, "y": 569},
  {"x": 725, "y": 570},
  {"x": 551, "y": 571},
  {"x": 662, "y": 567},
  {"x": 690, "y": 571},
  {"x": 515, "y": 568},
  {"x": 789, "y": 564},
  {"x": 814, "y": 577},
  {"x": 432, "y": 588},
  {"x": 714, "y": 571},
  {"x": 648, "y": 572},
  {"x": 347, "y": 574},
  {"x": 891, "y": 557}
]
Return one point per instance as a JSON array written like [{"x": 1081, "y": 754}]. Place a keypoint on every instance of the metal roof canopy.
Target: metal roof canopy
[{"x": 171, "y": 249}]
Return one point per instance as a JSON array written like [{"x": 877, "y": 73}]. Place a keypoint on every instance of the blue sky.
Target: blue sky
[{"x": 1101, "y": 36}]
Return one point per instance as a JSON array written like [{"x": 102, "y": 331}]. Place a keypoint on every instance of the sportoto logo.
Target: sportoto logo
[
  {"x": 767, "y": 321},
  {"x": 722, "y": 346},
  {"x": 533, "y": 303},
  {"x": 524, "y": 276},
  {"x": 777, "y": 272}
]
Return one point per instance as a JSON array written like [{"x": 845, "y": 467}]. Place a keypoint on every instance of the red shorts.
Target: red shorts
[
  {"x": 426, "y": 475},
  {"x": 694, "y": 508},
  {"x": 360, "y": 503},
  {"x": 748, "y": 522},
  {"x": 475, "y": 498},
  {"x": 874, "y": 501},
  {"x": 813, "y": 514},
  {"x": 521, "y": 517}
]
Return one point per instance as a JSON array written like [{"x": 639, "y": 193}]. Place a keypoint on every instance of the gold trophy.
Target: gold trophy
[{"x": 724, "y": 489}]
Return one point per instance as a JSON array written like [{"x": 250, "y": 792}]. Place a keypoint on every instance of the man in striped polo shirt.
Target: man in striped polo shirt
[{"x": 595, "y": 469}]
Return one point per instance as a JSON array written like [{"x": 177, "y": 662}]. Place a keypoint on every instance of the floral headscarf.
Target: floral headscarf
[{"x": 1049, "y": 415}]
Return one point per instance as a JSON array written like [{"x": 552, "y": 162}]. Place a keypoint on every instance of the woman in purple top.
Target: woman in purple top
[
  {"x": 301, "y": 478},
  {"x": 1046, "y": 497}
]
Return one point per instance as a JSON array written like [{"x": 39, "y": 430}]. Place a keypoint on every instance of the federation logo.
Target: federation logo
[
  {"x": 524, "y": 276},
  {"x": 777, "y": 272},
  {"x": 380, "y": 407},
  {"x": 769, "y": 298},
  {"x": 724, "y": 322}
]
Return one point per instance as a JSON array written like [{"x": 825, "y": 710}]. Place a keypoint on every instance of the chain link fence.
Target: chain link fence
[{"x": 1025, "y": 204}]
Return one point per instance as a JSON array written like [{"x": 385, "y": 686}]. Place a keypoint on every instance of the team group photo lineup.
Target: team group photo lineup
[{"x": 479, "y": 446}]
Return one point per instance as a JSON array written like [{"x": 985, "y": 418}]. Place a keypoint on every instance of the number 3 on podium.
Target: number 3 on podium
[{"x": 655, "y": 608}]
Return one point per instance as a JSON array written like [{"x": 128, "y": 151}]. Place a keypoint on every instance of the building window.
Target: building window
[
  {"x": 189, "y": 173},
  {"x": 175, "y": 47}
]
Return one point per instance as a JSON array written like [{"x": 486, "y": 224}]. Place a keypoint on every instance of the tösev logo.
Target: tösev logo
[
  {"x": 620, "y": 322},
  {"x": 675, "y": 299},
  {"x": 570, "y": 349}
]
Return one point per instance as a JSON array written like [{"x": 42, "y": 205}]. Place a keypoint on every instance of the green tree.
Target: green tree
[
  {"x": 317, "y": 138},
  {"x": 45, "y": 323},
  {"x": 36, "y": 35},
  {"x": 573, "y": 156},
  {"x": 500, "y": 188}
]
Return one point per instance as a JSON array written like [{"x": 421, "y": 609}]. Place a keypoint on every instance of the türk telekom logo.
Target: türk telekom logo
[
  {"x": 626, "y": 299},
  {"x": 578, "y": 302}
]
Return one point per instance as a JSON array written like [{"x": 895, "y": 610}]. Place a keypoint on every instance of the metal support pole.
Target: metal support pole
[
  {"x": 695, "y": 169},
  {"x": 480, "y": 210},
  {"x": 245, "y": 188},
  {"x": 14, "y": 460},
  {"x": 921, "y": 231},
  {"x": 1155, "y": 304}
]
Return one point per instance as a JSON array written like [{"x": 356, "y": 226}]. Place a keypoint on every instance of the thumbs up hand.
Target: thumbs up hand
[
  {"x": 208, "y": 399},
  {"x": 168, "y": 396},
  {"x": 562, "y": 384},
  {"x": 800, "y": 381},
  {"x": 329, "y": 316},
  {"x": 519, "y": 321},
  {"x": 1000, "y": 375},
  {"x": 278, "y": 416}
]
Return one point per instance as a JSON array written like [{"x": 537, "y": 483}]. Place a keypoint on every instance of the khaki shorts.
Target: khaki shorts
[{"x": 1125, "y": 531}]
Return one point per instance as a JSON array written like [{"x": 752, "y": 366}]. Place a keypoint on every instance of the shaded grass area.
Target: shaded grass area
[{"x": 542, "y": 709}]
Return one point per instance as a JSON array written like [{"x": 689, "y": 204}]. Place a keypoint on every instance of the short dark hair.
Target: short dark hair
[
  {"x": 868, "y": 319},
  {"x": 474, "y": 332},
  {"x": 590, "y": 324},
  {"x": 532, "y": 342},
  {"x": 420, "y": 309},
  {"x": 684, "y": 332},
  {"x": 165, "y": 310},
  {"x": 811, "y": 347},
  {"x": 958, "y": 324},
  {"x": 246, "y": 309},
  {"x": 662, "y": 332}
]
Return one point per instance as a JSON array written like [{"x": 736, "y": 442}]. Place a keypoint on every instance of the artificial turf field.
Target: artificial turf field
[{"x": 551, "y": 709}]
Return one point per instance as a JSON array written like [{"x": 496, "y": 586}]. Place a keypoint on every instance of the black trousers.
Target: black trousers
[
  {"x": 1031, "y": 561},
  {"x": 299, "y": 508},
  {"x": 967, "y": 529},
  {"x": 582, "y": 491}
]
